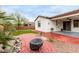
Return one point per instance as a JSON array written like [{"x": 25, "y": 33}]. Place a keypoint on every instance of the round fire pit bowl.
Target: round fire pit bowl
[{"x": 36, "y": 44}]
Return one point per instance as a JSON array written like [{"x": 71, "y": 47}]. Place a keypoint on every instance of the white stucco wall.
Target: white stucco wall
[
  {"x": 46, "y": 25},
  {"x": 74, "y": 29},
  {"x": 59, "y": 25}
]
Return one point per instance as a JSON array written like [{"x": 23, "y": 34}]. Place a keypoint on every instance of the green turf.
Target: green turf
[{"x": 18, "y": 32}]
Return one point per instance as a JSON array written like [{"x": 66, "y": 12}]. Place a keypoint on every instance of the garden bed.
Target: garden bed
[{"x": 14, "y": 46}]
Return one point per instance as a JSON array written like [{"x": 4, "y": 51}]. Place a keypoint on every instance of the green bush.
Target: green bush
[
  {"x": 6, "y": 34},
  {"x": 4, "y": 39},
  {"x": 6, "y": 29}
]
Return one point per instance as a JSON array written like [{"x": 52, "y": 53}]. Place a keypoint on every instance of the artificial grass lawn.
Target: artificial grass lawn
[{"x": 18, "y": 32}]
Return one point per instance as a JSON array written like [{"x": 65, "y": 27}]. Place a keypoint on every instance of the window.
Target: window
[
  {"x": 76, "y": 23},
  {"x": 39, "y": 24},
  {"x": 25, "y": 24}
]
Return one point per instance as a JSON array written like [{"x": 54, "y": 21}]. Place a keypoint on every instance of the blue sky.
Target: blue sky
[{"x": 32, "y": 11}]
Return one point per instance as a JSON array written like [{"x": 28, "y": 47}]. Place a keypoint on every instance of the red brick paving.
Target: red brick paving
[
  {"x": 61, "y": 37},
  {"x": 64, "y": 38},
  {"x": 26, "y": 38},
  {"x": 67, "y": 39}
]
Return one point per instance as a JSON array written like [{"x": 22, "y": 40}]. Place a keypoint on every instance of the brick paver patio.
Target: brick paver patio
[
  {"x": 61, "y": 37},
  {"x": 67, "y": 39},
  {"x": 61, "y": 43},
  {"x": 26, "y": 38}
]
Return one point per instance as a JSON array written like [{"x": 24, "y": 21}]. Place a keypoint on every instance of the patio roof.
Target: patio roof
[{"x": 66, "y": 15}]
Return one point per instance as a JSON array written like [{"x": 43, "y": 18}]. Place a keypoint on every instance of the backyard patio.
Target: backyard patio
[
  {"x": 17, "y": 35},
  {"x": 26, "y": 38},
  {"x": 59, "y": 44},
  {"x": 55, "y": 42}
]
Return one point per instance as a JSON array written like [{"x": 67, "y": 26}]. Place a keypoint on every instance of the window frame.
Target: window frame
[
  {"x": 76, "y": 23},
  {"x": 39, "y": 24}
]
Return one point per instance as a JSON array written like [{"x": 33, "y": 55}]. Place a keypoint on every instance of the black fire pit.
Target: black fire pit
[{"x": 36, "y": 44}]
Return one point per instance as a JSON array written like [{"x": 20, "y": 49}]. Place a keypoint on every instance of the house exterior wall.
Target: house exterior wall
[
  {"x": 57, "y": 25},
  {"x": 46, "y": 25},
  {"x": 74, "y": 29}
]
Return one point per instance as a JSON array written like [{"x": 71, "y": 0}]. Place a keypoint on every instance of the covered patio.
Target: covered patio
[{"x": 67, "y": 22}]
